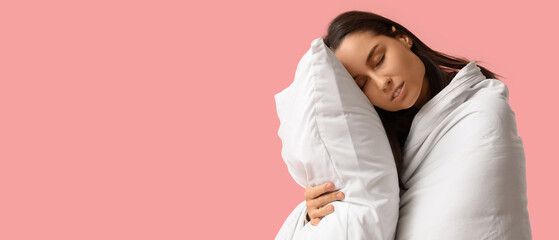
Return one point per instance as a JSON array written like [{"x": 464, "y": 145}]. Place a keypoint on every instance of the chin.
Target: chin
[
  {"x": 393, "y": 110},
  {"x": 410, "y": 105}
]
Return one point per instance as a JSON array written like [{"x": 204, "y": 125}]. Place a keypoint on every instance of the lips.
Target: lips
[{"x": 401, "y": 87}]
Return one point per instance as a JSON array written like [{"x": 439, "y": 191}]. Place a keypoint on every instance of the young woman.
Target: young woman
[{"x": 396, "y": 71}]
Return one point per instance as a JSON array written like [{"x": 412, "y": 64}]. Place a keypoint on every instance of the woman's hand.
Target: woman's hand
[{"x": 317, "y": 198}]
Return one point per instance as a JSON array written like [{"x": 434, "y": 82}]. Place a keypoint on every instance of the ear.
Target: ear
[{"x": 406, "y": 40}]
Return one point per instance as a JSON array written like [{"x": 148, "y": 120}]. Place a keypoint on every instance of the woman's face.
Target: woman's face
[{"x": 392, "y": 69}]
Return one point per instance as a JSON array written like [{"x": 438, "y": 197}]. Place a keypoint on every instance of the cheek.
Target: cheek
[
  {"x": 377, "y": 99},
  {"x": 411, "y": 67},
  {"x": 373, "y": 97},
  {"x": 400, "y": 63}
]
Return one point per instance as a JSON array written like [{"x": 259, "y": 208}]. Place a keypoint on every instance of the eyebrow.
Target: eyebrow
[{"x": 368, "y": 57}]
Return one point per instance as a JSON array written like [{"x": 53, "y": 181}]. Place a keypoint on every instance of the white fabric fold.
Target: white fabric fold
[{"x": 464, "y": 165}]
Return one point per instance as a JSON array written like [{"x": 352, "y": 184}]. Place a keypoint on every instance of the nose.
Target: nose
[
  {"x": 388, "y": 83},
  {"x": 384, "y": 83}
]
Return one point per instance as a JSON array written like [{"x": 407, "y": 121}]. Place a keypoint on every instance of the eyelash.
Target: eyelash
[
  {"x": 365, "y": 82},
  {"x": 379, "y": 62}
]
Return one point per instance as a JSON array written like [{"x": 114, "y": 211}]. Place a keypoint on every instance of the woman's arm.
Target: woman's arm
[{"x": 317, "y": 198}]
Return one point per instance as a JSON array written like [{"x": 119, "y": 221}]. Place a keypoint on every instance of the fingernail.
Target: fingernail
[
  {"x": 329, "y": 185},
  {"x": 330, "y": 208},
  {"x": 339, "y": 195}
]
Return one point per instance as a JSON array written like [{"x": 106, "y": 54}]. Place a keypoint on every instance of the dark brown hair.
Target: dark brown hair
[{"x": 440, "y": 68}]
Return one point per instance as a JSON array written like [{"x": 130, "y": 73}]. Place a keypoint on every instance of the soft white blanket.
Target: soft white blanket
[
  {"x": 464, "y": 165},
  {"x": 464, "y": 162}
]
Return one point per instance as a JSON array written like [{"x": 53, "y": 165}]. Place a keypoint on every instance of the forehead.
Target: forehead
[
  {"x": 355, "y": 47},
  {"x": 358, "y": 40},
  {"x": 363, "y": 35}
]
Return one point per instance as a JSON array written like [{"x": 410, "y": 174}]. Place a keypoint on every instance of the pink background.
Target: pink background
[{"x": 156, "y": 119}]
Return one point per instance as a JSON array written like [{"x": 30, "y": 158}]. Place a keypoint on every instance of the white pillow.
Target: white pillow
[{"x": 330, "y": 131}]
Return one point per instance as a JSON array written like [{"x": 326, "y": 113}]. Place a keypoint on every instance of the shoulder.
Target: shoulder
[
  {"x": 488, "y": 112},
  {"x": 491, "y": 97}
]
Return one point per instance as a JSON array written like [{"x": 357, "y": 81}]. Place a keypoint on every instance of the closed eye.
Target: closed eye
[
  {"x": 365, "y": 82},
  {"x": 380, "y": 61}
]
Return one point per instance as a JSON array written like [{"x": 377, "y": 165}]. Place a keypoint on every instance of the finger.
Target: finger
[
  {"x": 314, "y": 206},
  {"x": 307, "y": 193},
  {"x": 323, "y": 211},
  {"x": 314, "y": 192},
  {"x": 315, "y": 221},
  {"x": 325, "y": 199}
]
